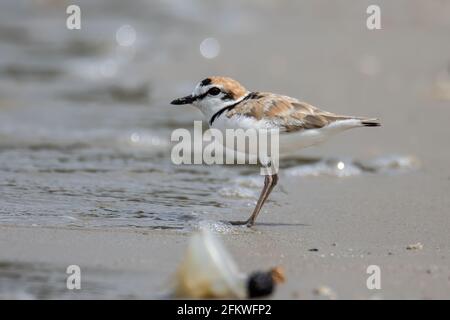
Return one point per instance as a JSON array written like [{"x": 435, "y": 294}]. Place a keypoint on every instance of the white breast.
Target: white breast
[
  {"x": 223, "y": 123},
  {"x": 239, "y": 122}
]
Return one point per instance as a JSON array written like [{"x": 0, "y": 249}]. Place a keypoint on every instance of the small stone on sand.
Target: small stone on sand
[{"x": 416, "y": 246}]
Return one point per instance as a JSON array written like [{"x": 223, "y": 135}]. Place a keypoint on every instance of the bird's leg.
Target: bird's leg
[{"x": 269, "y": 183}]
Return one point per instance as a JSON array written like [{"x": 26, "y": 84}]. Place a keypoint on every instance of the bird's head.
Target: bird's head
[{"x": 214, "y": 93}]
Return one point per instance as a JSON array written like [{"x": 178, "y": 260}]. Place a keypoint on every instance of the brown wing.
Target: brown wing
[{"x": 285, "y": 112}]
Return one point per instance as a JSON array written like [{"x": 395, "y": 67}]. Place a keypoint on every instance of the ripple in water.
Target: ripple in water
[{"x": 390, "y": 164}]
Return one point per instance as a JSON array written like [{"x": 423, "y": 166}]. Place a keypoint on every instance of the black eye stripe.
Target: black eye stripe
[
  {"x": 203, "y": 95},
  {"x": 227, "y": 96}
]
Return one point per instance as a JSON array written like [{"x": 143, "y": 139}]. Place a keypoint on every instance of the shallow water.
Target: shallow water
[
  {"x": 30, "y": 281},
  {"x": 84, "y": 137}
]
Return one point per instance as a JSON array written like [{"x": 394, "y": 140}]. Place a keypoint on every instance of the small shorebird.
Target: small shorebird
[{"x": 226, "y": 104}]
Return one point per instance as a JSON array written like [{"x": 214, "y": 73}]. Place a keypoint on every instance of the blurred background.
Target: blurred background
[{"x": 85, "y": 118}]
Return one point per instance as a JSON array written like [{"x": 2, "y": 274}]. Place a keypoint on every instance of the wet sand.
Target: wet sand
[{"x": 324, "y": 230}]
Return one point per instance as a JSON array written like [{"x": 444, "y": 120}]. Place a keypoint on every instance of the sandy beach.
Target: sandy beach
[
  {"x": 85, "y": 171},
  {"x": 356, "y": 233}
]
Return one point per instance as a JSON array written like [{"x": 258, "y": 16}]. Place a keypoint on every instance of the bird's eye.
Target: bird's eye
[{"x": 214, "y": 91}]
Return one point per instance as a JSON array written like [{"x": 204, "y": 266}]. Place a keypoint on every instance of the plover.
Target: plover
[{"x": 227, "y": 104}]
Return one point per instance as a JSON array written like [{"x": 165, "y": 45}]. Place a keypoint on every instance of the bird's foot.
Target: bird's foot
[{"x": 247, "y": 223}]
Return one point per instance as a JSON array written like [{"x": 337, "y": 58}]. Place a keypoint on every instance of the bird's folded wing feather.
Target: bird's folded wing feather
[{"x": 284, "y": 112}]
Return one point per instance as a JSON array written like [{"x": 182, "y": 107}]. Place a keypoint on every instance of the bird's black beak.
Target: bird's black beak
[{"x": 185, "y": 100}]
